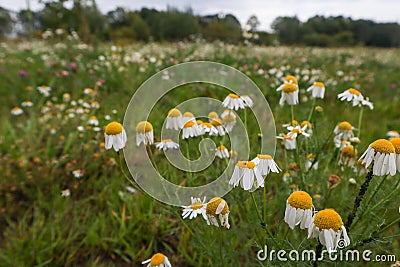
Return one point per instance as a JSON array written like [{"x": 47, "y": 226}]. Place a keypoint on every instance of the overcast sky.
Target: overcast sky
[{"x": 265, "y": 10}]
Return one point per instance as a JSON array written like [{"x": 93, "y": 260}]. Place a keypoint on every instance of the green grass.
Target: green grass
[{"x": 103, "y": 224}]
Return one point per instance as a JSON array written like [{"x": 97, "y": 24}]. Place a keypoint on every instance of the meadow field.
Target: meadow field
[{"x": 67, "y": 201}]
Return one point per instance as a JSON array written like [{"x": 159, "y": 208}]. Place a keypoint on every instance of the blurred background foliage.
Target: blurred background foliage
[{"x": 123, "y": 25}]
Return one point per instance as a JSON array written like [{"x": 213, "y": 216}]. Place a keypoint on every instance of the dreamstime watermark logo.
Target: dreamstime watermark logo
[
  {"x": 151, "y": 92},
  {"x": 350, "y": 255}
]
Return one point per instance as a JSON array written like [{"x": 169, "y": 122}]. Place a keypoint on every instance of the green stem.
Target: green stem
[
  {"x": 292, "y": 112},
  {"x": 221, "y": 239},
  {"x": 188, "y": 157},
  {"x": 327, "y": 197},
  {"x": 125, "y": 175},
  {"x": 265, "y": 201},
  {"x": 312, "y": 109},
  {"x": 359, "y": 121}
]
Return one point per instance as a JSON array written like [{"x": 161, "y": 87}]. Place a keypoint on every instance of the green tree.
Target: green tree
[
  {"x": 5, "y": 22},
  {"x": 288, "y": 30}
]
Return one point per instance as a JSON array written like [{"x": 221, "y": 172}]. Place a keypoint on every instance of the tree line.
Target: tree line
[{"x": 123, "y": 25}]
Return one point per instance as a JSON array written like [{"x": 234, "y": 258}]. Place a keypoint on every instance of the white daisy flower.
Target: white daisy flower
[
  {"x": 212, "y": 115},
  {"x": 27, "y": 104},
  {"x": 222, "y": 152},
  {"x": 295, "y": 131},
  {"x": 174, "y": 119},
  {"x": 366, "y": 102},
  {"x": 289, "y": 79},
  {"x": 309, "y": 162},
  {"x": 217, "y": 207},
  {"x": 190, "y": 129},
  {"x": 317, "y": 90},
  {"x": 247, "y": 175},
  {"x": 234, "y": 102},
  {"x": 396, "y": 143},
  {"x": 228, "y": 120},
  {"x": 288, "y": 142},
  {"x": 347, "y": 156},
  {"x": 328, "y": 226},
  {"x": 157, "y": 260},
  {"x": 217, "y": 123},
  {"x": 290, "y": 94},
  {"x": 144, "y": 133},
  {"x": 299, "y": 210},
  {"x": 167, "y": 144},
  {"x": 93, "y": 121},
  {"x": 78, "y": 173},
  {"x": 383, "y": 154},
  {"x": 248, "y": 102},
  {"x": 44, "y": 90},
  {"x": 196, "y": 207},
  {"x": 16, "y": 111},
  {"x": 351, "y": 95},
  {"x": 188, "y": 116},
  {"x": 307, "y": 126},
  {"x": 266, "y": 164},
  {"x": 65, "y": 193},
  {"x": 343, "y": 132},
  {"x": 393, "y": 133},
  {"x": 115, "y": 136},
  {"x": 210, "y": 129}
]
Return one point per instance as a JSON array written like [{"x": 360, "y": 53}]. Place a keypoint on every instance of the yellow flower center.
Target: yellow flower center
[
  {"x": 222, "y": 147},
  {"x": 157, "y": 259},
  {"x": 291, "y": 78},
  {"x": 206, "y": 124},
  {"x": 233, "y": 96},
  {"x": 188, "y": 114},
  {"x": 300, "y": 200},
  {"x": 319, "y": 84},
  {"x": 246, "y": 164},
  {"x": 310, "y": 156},
  {"x": 199, "y": 122},
  {"x": 328, "y": 219},
  {"x": 174, "y": 113},
  {"x": 144, "y": 127},
  {"x": 229, "y": 118},
  {"x": 289, "y": 88},
  {"x": 196, "y": 206},
  {"x": 216, "y": 122},
  {"x": 213, "y": 205},
  {"x": 304, "y": 123},
  {"x": 344, "y": 125},
  {"x": 295, "y": 122},
  {"x": 348, "y": 151},
  {"x": 93, "y": 118},
  {"x": 354, "y": 91},
  {"x": 188, "y": 124},
  {"x": 296, "y": 131},
  {"x": 264, "y": 156},
  {"x": 383, "y": 146},
  {"x": 212, "y": 115},
  {"x": 114, "y": 128},
  {"x": 396, "y": 143},
  {"x": 166, "y": 140}
]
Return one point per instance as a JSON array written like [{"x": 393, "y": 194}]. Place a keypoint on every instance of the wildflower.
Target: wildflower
[
  {"x": 351, "y": 95},
  {"x": 167, "y": 144},
  {"x": 290, "y": 94},
  {"x": 89, "y": 91},
  {"x": 174, "y": 119},
  {"x": 217, "y": 206},
  {"x": 393, "y": 134},
  {"x": 333, "y": 180},
  {"x": 317, "y": 90},
  {"x": 244, "y": 173},
  {"x": 115, "y": 136},
  {"x": 299, "y": 209},
  {"x": 212, "y": 115},
  {"x": 352, "y": 181},
  {"x": 289, "y": 79},
  {"x": 233, "y": 101},
  {"x": 65, "y": 193},
  {"x": 16, "y": 111},
  {"x": 210, "y": 129},
  {"x": 248, "y": 102},
  {"x": 93, "y": 121},
  {"x": 27, "y": 104},
  {"x": 328, "y": 226},
  {"x": 196, "y": 207},
  {"x": 298, "y": 130},
  {"x": 396, "y": 143},
  {"x": 383, "y": 154},
  {"x": 217, "y": 123},
  {"x": 228, "y": 120},
  {"x": 309, "y": 162},
  {"x": 288, "y": 141},
  {"x": 343, "y": 132},
  {"x": 78, "y": 173},
  {"x": 144, "y": 133},
  {"x": 189, "y": 129},
  {"x": 158, "y": 260},
  {"x": 188, "y": 116},
  {"x": 222, "y": 152},
  {"x": 366, "y": 102},
  {"x": 44, "y": 90},
  {"x": 265, "y": 164}
]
